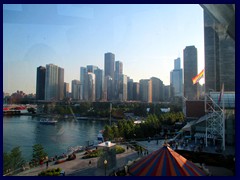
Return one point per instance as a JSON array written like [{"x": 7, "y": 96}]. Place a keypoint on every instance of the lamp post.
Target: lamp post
[{"x": 105, "y": 166}]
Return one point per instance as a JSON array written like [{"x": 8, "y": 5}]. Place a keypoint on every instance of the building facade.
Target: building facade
[
  {"x": 190, "y": 71},
  {"x": 219, "y": 56},
  {"x": 51, "y": 82},
  {"x": 40, "y": 86}
]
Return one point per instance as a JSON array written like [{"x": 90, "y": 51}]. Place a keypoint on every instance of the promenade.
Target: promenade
[{"x": 81, "y": 167}]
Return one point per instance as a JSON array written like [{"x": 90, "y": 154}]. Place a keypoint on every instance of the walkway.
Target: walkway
[{"x": 80, "y": 167}]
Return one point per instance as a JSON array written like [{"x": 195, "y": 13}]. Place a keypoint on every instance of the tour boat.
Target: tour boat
[{"x": 48, "y": 121}]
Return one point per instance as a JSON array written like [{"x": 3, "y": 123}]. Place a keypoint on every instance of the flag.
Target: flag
[
  {"x": 221, "y": 94},
  {"x": 197, "y": 78}
]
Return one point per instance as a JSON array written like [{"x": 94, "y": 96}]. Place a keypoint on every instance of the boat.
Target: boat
[{"x": 48, "y": 121}]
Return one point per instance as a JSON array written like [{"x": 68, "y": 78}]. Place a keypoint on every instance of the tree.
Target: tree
[
  {"x": 13, "y": 160},
  {"x": 38, "y": 152},
  {"x": 16, "y": 158}
]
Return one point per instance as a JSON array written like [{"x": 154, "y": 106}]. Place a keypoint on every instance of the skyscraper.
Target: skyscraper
[
  {"x": 190, "y": 71},
  {"x": 176, "y": 78},
  {"x": 136, "y": 91},
  {"x": 219, "y": 56},
  {"x": 109, "y": 60},
  {"x": 51, "y": 82},
  {"x": 83, "y": 75},
  {"x": 117, "y": 76},
  {"x": 66, "y": 89},
  {"x": 156, "y": 85},
  {"x": 145, "y": 90},
  {"x": 99, "y": 84},
  {"x": 91, "y": 68},
  {"x": 123, "y": 88},
  {"x": 60, "y": 83},
  {"x": 107, "y": 93},
  {"x": 76, "y": 89},
  {"x": 40, "y": 86},
  {"x": 91, "y": 87}
]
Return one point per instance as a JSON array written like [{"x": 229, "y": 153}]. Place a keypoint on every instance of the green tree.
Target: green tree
[
  {"x": 6, "y": 161},
  {"x": 13, "y": 160},
  {"x": 38, "y": 152},
  {"x": 17, "y": 160}
]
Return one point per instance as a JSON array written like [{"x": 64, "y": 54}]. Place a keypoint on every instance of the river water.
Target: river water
[{"x": 25, "y": 131}]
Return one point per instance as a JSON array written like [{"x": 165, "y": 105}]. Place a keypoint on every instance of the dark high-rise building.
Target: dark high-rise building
[
  {"x": 109, "y": 61},
  {"x": 40, "y": 86},
  {"x": 83, "y": 77},
  {"x": 136, "y": 91},
  {"x": 190, "y": 71},
  {"x": 130, "y": 89},
  {"x": 219, "y": 55}
]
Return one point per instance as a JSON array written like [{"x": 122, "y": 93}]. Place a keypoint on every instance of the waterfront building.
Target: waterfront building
[
  {"x": 123, "y": 88},
  {"x": 117, "y": 75},
  {"x": 99, "y": 84},
  {"x": 90, "y": 93},
  {"x": 167, "y": 93},
  {"x": 190, "y": 71},
  {"x": 176, "y": 79},
  {"x": 146, "y": 90},
  {"x": 136, "y": 91},
  {"x": 60, "y": 83},
  {"x": 107, "y": 93},
  {"x": 156, "y": 89},
  {"x": 109, "y": 60},
  {"x": 40, "y": 86},
  {"x": 130, "y": 89},
  {"x": 83, "y": 75},
  {"x": 219, "y": 55},
  {"x": 66, "y": 90},
  {"x": 76, "y": 91},
  {"x": 51, "y": 82}
]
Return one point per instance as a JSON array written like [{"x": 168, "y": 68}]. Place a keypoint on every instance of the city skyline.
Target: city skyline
[{"x": 145, "y": 36}]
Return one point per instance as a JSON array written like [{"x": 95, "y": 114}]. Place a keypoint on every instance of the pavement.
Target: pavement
[{"x": 81, "y": 167}]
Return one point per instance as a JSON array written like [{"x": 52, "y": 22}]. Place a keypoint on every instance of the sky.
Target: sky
[{"x": 145, "y": 37}]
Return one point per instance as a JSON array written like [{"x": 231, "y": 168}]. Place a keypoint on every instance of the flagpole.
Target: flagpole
[{"x": 223, "y": 117}]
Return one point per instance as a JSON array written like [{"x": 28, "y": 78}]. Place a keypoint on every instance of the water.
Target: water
[{"x": 25, "y": 131}]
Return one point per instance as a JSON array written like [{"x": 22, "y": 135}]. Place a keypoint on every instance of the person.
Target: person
[
  {"x": 89, "y": 163},
  {"x": 47, "y": 164}
]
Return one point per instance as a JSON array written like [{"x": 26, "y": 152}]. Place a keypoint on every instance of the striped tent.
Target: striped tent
[{"x": 165, "y": 162}]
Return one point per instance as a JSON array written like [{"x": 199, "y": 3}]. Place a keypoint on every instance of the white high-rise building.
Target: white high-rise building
[{"x": 51, "y": 82}]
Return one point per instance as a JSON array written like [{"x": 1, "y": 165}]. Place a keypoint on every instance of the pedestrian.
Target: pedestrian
[
  {"x": 127, "y": 148},
  {"x": 46, "y": 164},
  {"x": 89, "y": 163}
]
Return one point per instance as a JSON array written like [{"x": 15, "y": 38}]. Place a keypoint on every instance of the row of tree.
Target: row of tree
[
  {"x": 152, "y": 126},
  {"x": 102, "y": 109},
  {"x": 13, "y": 160}
]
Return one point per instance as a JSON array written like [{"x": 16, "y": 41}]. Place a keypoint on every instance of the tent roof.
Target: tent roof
[{"x": 165, "y": 162}]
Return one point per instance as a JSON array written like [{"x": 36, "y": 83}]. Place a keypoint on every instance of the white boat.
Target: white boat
[{"x": 48, "y": 121}]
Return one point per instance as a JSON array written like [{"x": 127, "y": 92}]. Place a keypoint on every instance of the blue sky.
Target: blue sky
[{"x": 145, "y": 37}]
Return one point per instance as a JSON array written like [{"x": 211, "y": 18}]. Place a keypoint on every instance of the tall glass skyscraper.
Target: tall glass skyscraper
[
  {"x": 109, "y": 62},
  {"x": 176, "y": 80},
  {"x": 219, "y": 56},
  {"x": 51, "y": 82},
  {"x": 60, "y": 83},
  {"x": 190, "y": 71}
]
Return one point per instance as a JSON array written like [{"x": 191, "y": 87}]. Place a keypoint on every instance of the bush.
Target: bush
[
  {"x": 50, "y": 172},
  {"x": 119, "y": 149}
]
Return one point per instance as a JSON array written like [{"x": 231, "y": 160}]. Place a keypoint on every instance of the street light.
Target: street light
[{"x": 105, "y": 165}]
